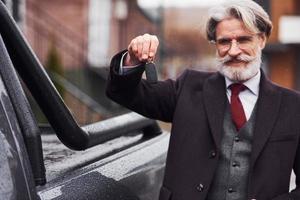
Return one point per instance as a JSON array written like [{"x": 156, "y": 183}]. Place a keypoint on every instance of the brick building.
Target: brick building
[
  {"x": 85, "y": 32},
  {"x": 283, "y": 58},
  {"x": 17, "y": 9}
]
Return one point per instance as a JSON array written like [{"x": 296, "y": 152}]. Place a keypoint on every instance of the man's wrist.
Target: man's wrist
[{"x": 123, "y": 69}]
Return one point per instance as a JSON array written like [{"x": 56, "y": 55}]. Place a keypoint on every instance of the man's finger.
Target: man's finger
[
  {"x": 140, "y": 47},
  {"x": 146, "y": 46},
  {"x": 153, "y": 47},
  {"x": 133, "y": 48}
]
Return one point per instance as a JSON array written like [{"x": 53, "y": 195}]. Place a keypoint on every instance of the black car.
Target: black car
[{"x": 118, "y": 158}]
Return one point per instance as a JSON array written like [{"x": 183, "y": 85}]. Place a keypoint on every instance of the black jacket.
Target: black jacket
[{"x": 195, "y": 104}]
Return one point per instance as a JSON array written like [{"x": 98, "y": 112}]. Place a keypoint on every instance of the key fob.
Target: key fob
[{"x": 151, "y": 74}]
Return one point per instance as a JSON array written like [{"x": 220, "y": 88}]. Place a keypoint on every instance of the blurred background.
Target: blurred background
[{"x": 75, "y": 40}]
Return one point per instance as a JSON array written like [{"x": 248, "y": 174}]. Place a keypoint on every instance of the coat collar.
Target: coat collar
[{"x": 268, "y": 105}]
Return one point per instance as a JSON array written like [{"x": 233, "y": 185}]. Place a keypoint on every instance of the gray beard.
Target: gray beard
[{"x": 240, "y": 74}]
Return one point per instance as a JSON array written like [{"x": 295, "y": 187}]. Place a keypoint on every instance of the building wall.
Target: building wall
[
  {"x": 100, "y": 13},
  {"x": 124, "y": 30},
  {"x": 282, "y": 68},
  {"x": 278, "y": 9},
  {"x": 74, "y": 17},
  {"x": 17, "y": 10},
  {"x": 59, "y": 22},
  {"x": 65, "y": 24},
  {"x": 283, "y": 64},
  {"x": 185, "y": 41}
]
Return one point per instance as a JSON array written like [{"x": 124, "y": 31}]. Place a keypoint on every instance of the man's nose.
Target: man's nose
[{"x": 234, "y": 49}]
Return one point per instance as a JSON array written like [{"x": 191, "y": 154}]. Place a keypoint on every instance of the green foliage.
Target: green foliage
[{"x": 54, "y": 66}]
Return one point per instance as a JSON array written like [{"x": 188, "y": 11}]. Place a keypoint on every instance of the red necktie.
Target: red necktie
[{"x": 237, "y": 111}]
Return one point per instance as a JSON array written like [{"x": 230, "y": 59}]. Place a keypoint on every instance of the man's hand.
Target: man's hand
[{"x": 143, "y": 48}]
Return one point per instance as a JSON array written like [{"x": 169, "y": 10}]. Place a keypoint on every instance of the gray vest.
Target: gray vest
[{"x": 231, "y": 177}]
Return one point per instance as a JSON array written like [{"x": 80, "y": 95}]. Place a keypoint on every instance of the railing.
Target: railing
[{"x": 85, "y": 109}]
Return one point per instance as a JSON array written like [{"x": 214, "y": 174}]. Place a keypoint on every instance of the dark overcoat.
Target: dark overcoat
[{"x": 195, "y": 105}]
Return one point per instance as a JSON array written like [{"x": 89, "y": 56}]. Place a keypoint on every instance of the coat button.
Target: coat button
[
  {"x": 236, "y": 139},
  {"x": 235, "y": 164},
  {"x": 230, "y": 190},
  {"x": 200, "y": 187},
  {"x": 212, "y": 154}
]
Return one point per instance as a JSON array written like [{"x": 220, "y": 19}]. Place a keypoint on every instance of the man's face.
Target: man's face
[{"x": 238, "y": 50}]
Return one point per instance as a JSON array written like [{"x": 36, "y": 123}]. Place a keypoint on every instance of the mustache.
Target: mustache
[{"x": 242, "y": 57}]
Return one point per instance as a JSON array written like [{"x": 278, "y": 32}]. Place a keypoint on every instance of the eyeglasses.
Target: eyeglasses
[{"x": 242, "y": 42}]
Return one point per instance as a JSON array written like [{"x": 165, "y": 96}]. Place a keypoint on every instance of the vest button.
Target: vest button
[
  {"x": 235, "y": 164},
  {"x": 200, "y": 187},
  {"x": 236, "y": 139}
]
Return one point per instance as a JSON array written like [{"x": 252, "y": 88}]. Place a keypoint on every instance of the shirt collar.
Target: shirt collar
[{"x": 252, "y": 84}]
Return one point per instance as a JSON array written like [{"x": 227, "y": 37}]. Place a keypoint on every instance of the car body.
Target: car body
[{"x": 118, "y": 158}]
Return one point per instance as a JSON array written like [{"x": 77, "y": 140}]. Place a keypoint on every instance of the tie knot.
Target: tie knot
[{"x": 236, "y": 88}]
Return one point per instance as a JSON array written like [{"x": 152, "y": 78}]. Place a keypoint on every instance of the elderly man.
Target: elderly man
[{"x": 234, "y": 134}]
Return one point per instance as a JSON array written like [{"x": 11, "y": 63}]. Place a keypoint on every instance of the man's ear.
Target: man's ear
[{"x": 262, "y": 40}]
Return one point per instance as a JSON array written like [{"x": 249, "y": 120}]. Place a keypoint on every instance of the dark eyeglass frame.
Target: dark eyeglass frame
[{"x": 243, "y": 42}]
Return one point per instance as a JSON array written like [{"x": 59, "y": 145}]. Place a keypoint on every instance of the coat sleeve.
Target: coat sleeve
[
  {"x": 153, "y": 100},
  {"x": 294, "y": 194}
]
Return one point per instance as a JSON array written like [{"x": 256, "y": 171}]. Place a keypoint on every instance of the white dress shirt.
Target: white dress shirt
[
  {"x": 125, "y": 69},
  {"x": 249, "y": 96}
]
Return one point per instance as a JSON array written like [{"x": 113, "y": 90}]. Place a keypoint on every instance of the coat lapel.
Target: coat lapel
[
  {"x": 214, "y": 93},
  {"x": 268, "y": 105}
]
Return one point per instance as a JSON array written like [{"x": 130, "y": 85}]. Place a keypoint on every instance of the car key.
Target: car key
[{"x": 151, "y": 73}]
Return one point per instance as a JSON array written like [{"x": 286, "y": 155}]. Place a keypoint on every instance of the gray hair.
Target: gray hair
[{"x": 249, "y": 12}]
